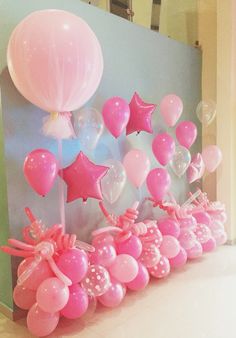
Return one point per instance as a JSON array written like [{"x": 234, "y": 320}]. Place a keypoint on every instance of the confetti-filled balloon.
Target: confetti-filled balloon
[
  {"x": 97, "y": 280},
  {"x": 150, "y": 255},
  {"x": 162, "y": 269}
]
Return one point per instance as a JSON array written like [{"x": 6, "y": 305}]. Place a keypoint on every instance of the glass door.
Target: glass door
[{"x": 122, "y": 8}]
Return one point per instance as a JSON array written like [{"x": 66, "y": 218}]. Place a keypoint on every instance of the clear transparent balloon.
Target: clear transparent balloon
[
  {"x": 180, "y": 161},
  {"x": 206, "y": 111}
]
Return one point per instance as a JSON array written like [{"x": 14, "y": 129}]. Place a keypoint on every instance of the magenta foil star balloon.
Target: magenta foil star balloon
[
  {"x": 83, "y": 179},
  {"x": 140, "y": 115}
]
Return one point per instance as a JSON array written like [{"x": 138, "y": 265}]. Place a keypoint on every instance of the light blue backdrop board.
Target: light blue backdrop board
[{"x": 135, "y": 59}]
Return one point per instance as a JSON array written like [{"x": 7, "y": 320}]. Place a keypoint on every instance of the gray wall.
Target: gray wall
[{"x": 136, "y": 59}]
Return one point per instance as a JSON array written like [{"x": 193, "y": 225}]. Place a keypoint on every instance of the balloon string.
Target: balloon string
[{"x": 61, "y": 188}]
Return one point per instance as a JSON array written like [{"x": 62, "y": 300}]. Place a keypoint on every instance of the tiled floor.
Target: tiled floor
[{"x": 197, "y": 302}]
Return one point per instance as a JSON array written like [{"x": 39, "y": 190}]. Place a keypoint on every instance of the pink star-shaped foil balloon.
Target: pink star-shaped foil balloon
[
  {"x": 140, "y": 115},
  {"x": 83, "y": 179}
]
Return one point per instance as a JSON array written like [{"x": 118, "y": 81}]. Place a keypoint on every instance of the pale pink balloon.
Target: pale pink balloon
[
  {"x": 187, "y": 223},
  {"x": 41, "y": 272},
  {"x": 161, "y": 270},
  {"x": 141, "y": 280},
  {"x": 202, "y": 217},
  {"x": 212, "y": 157},
  {"x": 124, "y": 269},
  {"x": 103, "y": 239},
  {"x": 187, "y": 238},
  {"x": 210, "y": 245},
  {"x": 220, "y": 237},
  {"x": 23, "y": 297},
  {"x": 113, "y": 296},
  {"x": 74, "y": 264},
  {"x": 186, "y": 133},
  {"x": 150, "y": 255},
  {"x": 41, "y": 323},
  {"x": 104, "y": 255},
  {"x": 171, "y": 108},
  {"x": 195, "y": 252},
  {"x": 77, "y": 304},
  {"x": 58, "y": 65},
  {"x": 169, "y": 226},
  {"x": 169, "y": 247},
  {"x": 131, "y": 246},
  {"x": 152, "y": 235},
  {"x": 52, "y": 295},
  {"x": 96, "y": 281},
  {"x": 203, "y": 233},
  {"x": 137, "y": 166},
  {"x": 163, "y": 147},
  {"x": 40, "y": 170},
  {"x": 116, "y": 113},
  {"x": 179, "y": 260},
  {"x": 158, "y": 183}
]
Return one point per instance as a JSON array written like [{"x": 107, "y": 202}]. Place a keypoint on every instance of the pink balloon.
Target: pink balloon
[
  {"x": 23, "y": 297},
  {"x": 116, "y": 115},
  {"x": 77, "y": 304},
  {"x": 195, "y": 252},
  {"x": 43, "y": 60},
  {"x": 113, "y": 296},
  {"x": 52, "y": 295},
  {"x": 40, "y": 170},
  {"x": 141, "y": 280},
  {"x": 187, "y": 223},
  {"x": 152, "y": 235},
  {"x": 171, "y": 108},
  {"x": 170, "y": 246},
  {"x": 104, "y": 255},
  {"x": 186, "y": 133},
  {"x": 97, "y": 280},
  {"x": 163, "y": 147},
  {"x": 140, "y": 115},
  {"x": 169, "y": 226},
  {"x": 41, "y": 323},
  {"x": 158, "y": 183},
  {"x": 124, "y": 269},
  {"x": 212, "y": 157},
  {"x": 131, "y": 246},
  {"x": 41, "y": 272},
  {"x": 187, "y": 238},
  {"x": 202, "y": 217},
  {"x": 137, "y": 166},
  {"x": 209, "y": 246},
  {"x": 103, "y": 239},
  {"x": 74, "y": 264},
  {"x": 83, "y": 178},
  {"x": 179, "y": 260},
  {"x": 150, "y": 255},
  {"x": 203, "y": 233},
  {"x": 162, "y": 269}
]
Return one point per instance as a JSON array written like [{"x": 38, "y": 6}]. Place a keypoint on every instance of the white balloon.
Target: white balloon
[
  {"x": 180, "y": 161},
  {"x": 113, "y": 182},
  {"x": 206, "y": 112}
]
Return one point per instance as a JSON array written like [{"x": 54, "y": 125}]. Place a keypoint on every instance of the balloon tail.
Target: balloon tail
[{"x": 61, "y": 187}]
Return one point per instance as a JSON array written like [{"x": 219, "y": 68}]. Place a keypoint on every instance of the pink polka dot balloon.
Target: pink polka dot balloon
[
  {"x": 103, "y": 239},
  {"x": 162, "y": 269},
  {"x": 153, "y": 234},
  {"x": 150, "y": 255},
  {"x": 187, "y": 238},
  {"x": 203, "y": 233},
  {"x": 196, "y": 251},
  {"x": 97, "y": 280},
  {"x": 104, "y": 255}
]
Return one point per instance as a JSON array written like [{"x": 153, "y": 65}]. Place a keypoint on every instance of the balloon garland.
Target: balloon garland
[{"x": 60, "y": 275}]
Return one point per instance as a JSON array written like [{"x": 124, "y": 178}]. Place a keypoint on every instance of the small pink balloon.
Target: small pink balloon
[
  {"x": 116, "y": 113},
  {"x": 113, "y": 296},
  {"x": 131, "y": 246},
  {"x": 103, "y": 239},
  {"x": 41, "y": 272},
  {"x": 153, "y": 234},
  {"x": 187, "y": 223},
  {"x": 150, "y": 255},
  {"x": 141, "y": 280},
  {"x": 187, "y": 238},
  {"x": 137, "y": 166},
  {"x": 195, "y": 252},
  {"x": 74, "y": 264},
  {"x": 202, "y": 217},
  {"x": 24, "y": 298},
  {"x": 104, "y": 255},
  {"x": 162, "y": 269},
  {"x": 169, "y": 226},
  {"x": 209, "y": 246},
  {"x": 186, "y": 133},
  {"x": 171, "y": 108},
  {"x": 124, "y": 269},
  {"x": 41, "y": 323},
  {"x": 203, "y": 233},
  {"x": 170, "y": 246},
  {"x": 77, "y": 304},
  {"x": 52, "y": 295},
  {"x": 40, "y": 170},
  {"x": 163, "y": 147},
  {"x": 158, "y": 183},
  {"x": 212, "y": 157},
  {"x": 96, "y": 281},
  {"x": 179, "y": 260}
]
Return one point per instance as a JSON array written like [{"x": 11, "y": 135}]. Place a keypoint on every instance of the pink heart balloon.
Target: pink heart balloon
[
  {"x": 40, "y": 170},
  {"x": 163, "y": 147},
  {"x": 171, "y": 108},
  {"x": 186, "y": 133}
]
